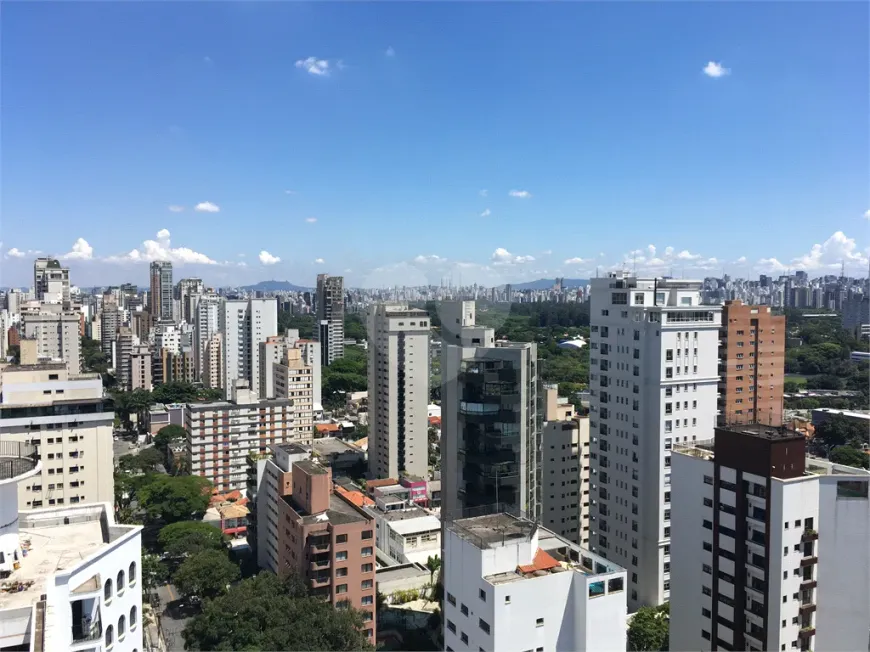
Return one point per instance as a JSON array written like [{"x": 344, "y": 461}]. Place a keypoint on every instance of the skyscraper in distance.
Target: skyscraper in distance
[
  {"x": 161, "y": 293},
  {"x": 329, "y": 329}
]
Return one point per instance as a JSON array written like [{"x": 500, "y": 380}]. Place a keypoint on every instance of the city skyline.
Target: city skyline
[{"x": 402, "y": 155}]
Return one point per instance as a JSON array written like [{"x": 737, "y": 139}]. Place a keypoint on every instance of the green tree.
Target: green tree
[
  {"x": 149, "y": 458},
  {"x": 190, "y": 537},
  {"x": 168, "y": 435},
  {"x": 302, "y": 323},
  {"x": 205, "y": 574},
  {"x": 837, "y": 430},
  {"x": 355, "y": 327},
  {"x": 791, "y": 387},
  {"x": 254, "y": 613},
  {"x": 433, "y": 563},
  {"x": 175, "y": 498},
  {"x": 154, "y": 572},
  {"x": 649, "y": 628},
  {"x": 850, "y": 456}
]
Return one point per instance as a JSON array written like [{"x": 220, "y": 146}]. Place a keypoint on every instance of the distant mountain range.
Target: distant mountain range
[
  {"x": 547, "y": 283},
  {"x": 275, "y": 286}
]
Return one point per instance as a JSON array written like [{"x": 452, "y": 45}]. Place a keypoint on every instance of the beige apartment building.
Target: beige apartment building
[
  {"x": 140, "y": 367},
  {"x": 565, "y": 469},
  {"x": 124, "y": 349},
  {"x": 213, "y": 362},
  {"x": 56, "y": 334},
  {"x": 398, "y": 391},
  {"x": 69, "y": 421},
  {"x": 220, "y": 435}
]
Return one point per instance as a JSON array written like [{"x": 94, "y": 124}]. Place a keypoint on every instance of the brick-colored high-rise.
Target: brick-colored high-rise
[
  {"x": 327, "y": 541},
  {"x": 751, "y": 365}
]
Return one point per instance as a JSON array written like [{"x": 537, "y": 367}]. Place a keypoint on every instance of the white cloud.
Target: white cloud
[
  {"x": 576, "y": 261},
  {"x": 486, "y": 213},
  {"x": 319, "y": 261},
  {"x": 651, "y": 249},
  {"x": 831, "y": 253},
  {"x": 314, "y": 66},
  {"x": 390, "y": 52},
  {"x": 207, "y": 207},
  {"x": 769, "y": 265},
  {"x": 422, "y": 260},
  {"x": 715, "y": 70},
  {"x": 484, "y": 193},
  {"x": 867, "y": 215},
  {"x": 685, "y": 255},
  {"x": 520, "y": 194},
  {"x": 268, "y": 259},
  {"x": 161, "y": 249},
  {"x": 502, "y": 256},
  {"x": 311, "y": 220},
  {"x": 15, "y": 253},
  {"x": 175, "y": 208},
  {"x": 81, "y": 250},
  {"x": 740, "y": 261}
]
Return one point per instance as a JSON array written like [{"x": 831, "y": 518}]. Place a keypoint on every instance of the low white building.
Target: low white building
[
  {"x": 403, "y": 532},
  {"x": 770, "y": 550},
  {"x": 511, "y": 585},
  {"x": 71, "y": 574}
]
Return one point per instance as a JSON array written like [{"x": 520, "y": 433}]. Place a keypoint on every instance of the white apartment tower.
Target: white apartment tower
[
  {"x": 69, "y": 422},
  {"x": 206, "y": 322},
  {"x": 56, "y": 334},
  {"x": 160, "y": 297},
  {"x": 490, "y": 418},
  {"x": 398, "y": 391},
  {"x": 244, "y": 324},
  {"x": 512, "y": 585},
  {"x": 653, "y": 375},
  {"x": 771, "y": 549},
  {"x": 329, "y": 330},
  {"x": 51, "y": 282}
]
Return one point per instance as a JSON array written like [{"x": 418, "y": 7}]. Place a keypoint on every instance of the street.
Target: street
[{"x": 173, "y": 616}]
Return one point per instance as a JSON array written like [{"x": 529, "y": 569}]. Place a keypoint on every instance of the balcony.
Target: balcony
[
  {"x": 807, "y": 632},
  {"x": 319, "y": 546},
  {"x": 809, "y": 535},
  {"x": 319, "y": 581},
  {"x": 809, "y": 561},
  {"x": 754, "y": 641},
  {"x": 84, "y": 630},
  {"x": 320, "y": 564},
  {"x": 807, "y": 608},
  {"x": 808, "y": 583}
]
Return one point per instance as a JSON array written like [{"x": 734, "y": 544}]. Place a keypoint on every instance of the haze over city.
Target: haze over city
[{"x": 245, "y": 142}]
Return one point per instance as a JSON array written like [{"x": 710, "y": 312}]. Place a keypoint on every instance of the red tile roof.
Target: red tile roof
[{"x": 543, "y": 561}]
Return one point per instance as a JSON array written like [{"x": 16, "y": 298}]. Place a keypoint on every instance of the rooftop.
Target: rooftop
[
  {"x": 333, "y": 446},
  {"x": 339, "y": 512},
  {"x": 761, "y": 431},
  {"x": 493, "y": 530},
  {"x": 292, "y": 449},
  {"x": 50, "y": 547},
  {"x": 310, "y": 467}
]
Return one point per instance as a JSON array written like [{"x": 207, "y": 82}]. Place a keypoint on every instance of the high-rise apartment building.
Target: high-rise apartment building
[
  {"x": 124, "y": 350},
  {"x": 328, "y": 541},
  {"x": 490, "y": 418},
  {"x": 206, "y": 322},
  {"x": 653, "y": 381},
  {"x": 56, "y": 333},
  {"x": 293, "y": 379},
  {"x": 329, "y": 330},
  {"x": 751, "y": 365},
  {"x": 51, "y": 282},
  {"x": 565, "y": 463},
  {"x": 213, "y": 362},
  {"x": 70, "y": 423},
  {"x": 140, "y": 367},
  {"x": 222, "y": 434},
  {"x": 398, "y": 391},
  {"x": 110, "y": 320},
  {"x": 160, "y": 296},
  {"x": 244, "y": 324},
  {"x": 510, "y": 584},
  {"x": 187, "y": 293},
  {"x": 770, "y": 548}
]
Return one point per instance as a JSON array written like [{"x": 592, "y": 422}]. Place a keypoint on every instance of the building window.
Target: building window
[
  {"x": 481, "y": 594},
  {"x": 367, "y": 568},
  {"x": 539, "y": 622},
  {"x": 367, "y": 552},
  {"x": 451, "y": 626},
  {"x": 110, "y": 636},
  {"x": 341, "y": 588},
  {"x": 483, "y": 625},
  {"x": 705, "y": 634},
  {"x": 120, "y": 585},
  {"x": 341, "y": 538},
  {"x": 367, "y": 600},
  {"x": 122, "y": 626},
  {"x": 341, "y": 572},
  {"x": 132, "y": 573},
  {"x": 367, "y": 584},
  {"x": 463, "y": 609},
  {"x": 107, "y": 590},
  {"x": 341, "y": 555},
  {"x": 133, "y": 615},
  {"x": 367, "y": 534},
  {"x": 451, "y": 599},
  {"x": 464, "y": 638}
]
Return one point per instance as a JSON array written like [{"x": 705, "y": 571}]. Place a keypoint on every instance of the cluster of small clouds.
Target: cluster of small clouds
[
  {"x": 201, "y": 207},
  {"x": 502, "y": 256},
  {"x": 268, "y": 259},
  {"x": 830, "y": 255}
]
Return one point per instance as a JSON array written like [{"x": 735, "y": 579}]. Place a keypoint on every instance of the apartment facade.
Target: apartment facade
[
  {"x": 56, "y": 334},
  {"x": 140, "y": 368},
  {"x": 510, "y": 584},
  {"x": 220, "y": 435},
  {"x": 206, "y": 322},
  {"x": 294, "y": 381},
  {"x": 160, "y": 296},
  {"x": 69, "y": 422},
  {"x": 77, "y": 574},
  {"x": 244, "y": 324},
  {"x": 328, "y": 541},
  {"x": 329, "y": 330},
  {"x": 770, "y": 547},
  {"x": 110, "y": 320},
  {"x": 653, "y": 382},
  {"x": 404, "y": 532},
  {"x": 51, "y": 282},
  {"x": 490, "y": 419},
  {"x": 124, "y": 350},
  {"x": 398, "y": 391},
  {"x": 751, "y": 365},
  {"x": 213, "y": 363},
  {"x": 565, "y": 464}
]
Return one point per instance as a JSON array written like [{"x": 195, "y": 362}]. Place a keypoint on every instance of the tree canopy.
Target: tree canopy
[
  {"x": 169, "y": 435},
  {"x": 145, "y": 461},
  {"x": 837, "y": 430},
  {"x": 205, "y": 574},
  {"x": 850, "y": 456},
  {"x": 347, "y": 374},
  {"x": 649, "y": 629},
  {"x": 190, "y": 537},
  {"x": 254, "y": 615},
  {"x": 174, "y": 498}
]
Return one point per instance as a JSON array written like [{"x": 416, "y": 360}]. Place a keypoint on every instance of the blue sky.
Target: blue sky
[{"x": 691, "y": 137}]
